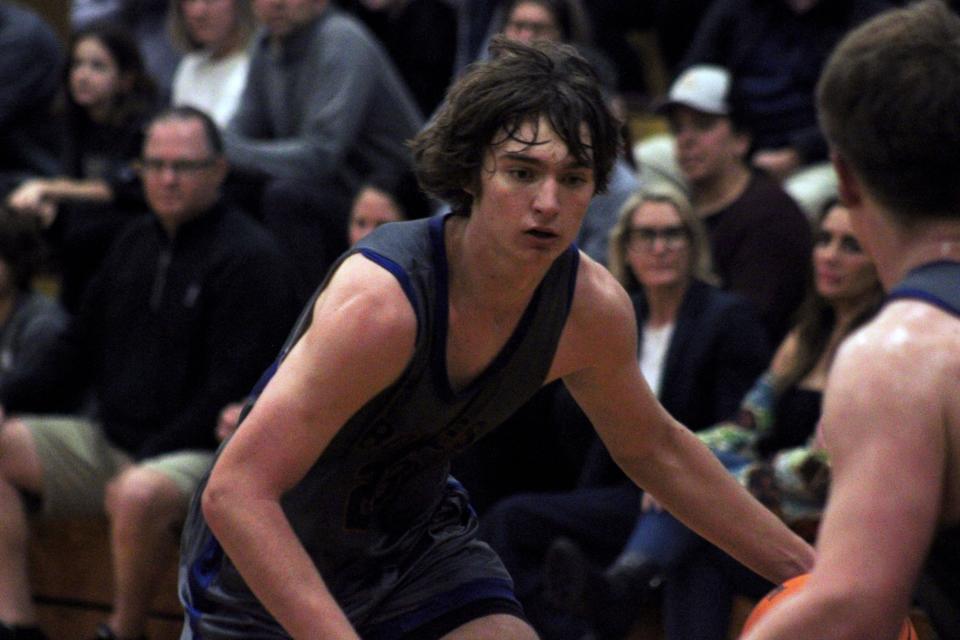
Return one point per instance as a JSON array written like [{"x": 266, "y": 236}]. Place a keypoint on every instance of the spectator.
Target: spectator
[
  {"x": 215, "y": 38},
  {"x": 775, "y": 423},
  {"x": 700, "y": 348},
  {"x": 775, "y": 49},
  {"x": 760, "y": 239},
  {"x": 146, "y": 22},
  {"x": 891, "y": 412},
  {"x": 189, "y": 307},
  {"x": 323, "y": 109},
  {"x": 30, "y": 60},
  {"x": 421, "y": 38},
  {"x": 108, "y": 98},
  {"x": 30, "y": 321}
]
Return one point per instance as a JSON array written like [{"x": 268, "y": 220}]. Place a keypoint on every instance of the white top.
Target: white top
[
  {"x": 211, "y": 85},
  {"x": 653, "y": 353}
]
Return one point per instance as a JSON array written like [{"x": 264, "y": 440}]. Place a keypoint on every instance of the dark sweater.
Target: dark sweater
[{"x": 170, "y": 331}]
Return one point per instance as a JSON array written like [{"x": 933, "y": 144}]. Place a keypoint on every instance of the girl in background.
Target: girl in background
[{"x": 108, "y": 97}]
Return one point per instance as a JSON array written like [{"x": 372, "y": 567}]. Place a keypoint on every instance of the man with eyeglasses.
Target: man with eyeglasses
[{"x": 189, "y": 308}]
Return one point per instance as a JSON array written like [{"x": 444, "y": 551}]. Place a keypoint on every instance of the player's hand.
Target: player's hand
[{"x": 28, "y": 197}]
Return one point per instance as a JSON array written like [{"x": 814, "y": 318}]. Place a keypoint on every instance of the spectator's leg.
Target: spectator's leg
[
  {"x": 20, "y": 470},
  {"x": 520, "y": 529},
  {"x": 145, "y": 509}
]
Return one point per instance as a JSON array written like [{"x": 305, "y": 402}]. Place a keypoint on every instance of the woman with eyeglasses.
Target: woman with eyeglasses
[
  {"x": 107, "y": 98},
  {"x": 700, "y": 349},
  {"x": 770, "y": 445}
]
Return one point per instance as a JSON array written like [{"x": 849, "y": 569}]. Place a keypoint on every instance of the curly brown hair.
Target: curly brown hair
[{"x": 496, "y": 98}]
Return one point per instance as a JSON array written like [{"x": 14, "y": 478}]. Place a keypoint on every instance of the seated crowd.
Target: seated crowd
[{"x": 185, "y": 216}]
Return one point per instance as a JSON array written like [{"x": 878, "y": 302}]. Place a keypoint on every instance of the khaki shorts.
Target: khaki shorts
[{"x": 78, "y": 461}]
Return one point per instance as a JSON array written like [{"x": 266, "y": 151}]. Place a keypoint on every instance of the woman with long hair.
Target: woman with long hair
[
  {"x": 107, "y": 98},
  {"x": 768, "y": 445}
]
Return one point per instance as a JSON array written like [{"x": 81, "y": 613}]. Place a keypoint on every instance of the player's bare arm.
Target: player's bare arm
[
  {"x": 657, "y": 452},
  {"x": 883, "y": 413},
  {"x": 360, "y": 340}
]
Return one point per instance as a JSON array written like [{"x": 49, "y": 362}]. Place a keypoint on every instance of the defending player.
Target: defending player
[{"x": 330, "y": 512}]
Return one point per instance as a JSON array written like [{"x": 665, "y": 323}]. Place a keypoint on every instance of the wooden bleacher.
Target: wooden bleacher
[{"x": 71, "y": 577}]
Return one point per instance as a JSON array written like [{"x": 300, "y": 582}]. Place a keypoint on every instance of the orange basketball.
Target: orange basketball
[{"x": 791, "y": 588}]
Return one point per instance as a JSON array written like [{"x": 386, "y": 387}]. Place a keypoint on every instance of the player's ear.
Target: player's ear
[{"x": 849, "y": 189}]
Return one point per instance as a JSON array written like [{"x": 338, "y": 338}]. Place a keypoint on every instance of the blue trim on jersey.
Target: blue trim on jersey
[
  {"x": 573, "y": 275},
  {"x": 925, "y": 296},
  {"x": 441, "y": 311},
  {"x": 482, "y": 589},
  {"x": 398, "y": 272},
  {"x": 200, "y": 575},
  {"x": 265, "y": 378}
]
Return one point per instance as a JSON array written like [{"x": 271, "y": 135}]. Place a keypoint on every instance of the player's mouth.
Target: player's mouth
[{"x": 542, "y": 234}]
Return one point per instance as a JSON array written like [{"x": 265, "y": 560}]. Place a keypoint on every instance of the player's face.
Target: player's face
[
  {"x": 658, "y": 247},
  {"x": 706, "y": 144},
  {"x": 371, "y": 209},
  {"x": 533, "y": 193},
  {"x": 281, "y": 17},
  {"x": 181, "y": 175},
  {"x": 843, "y": 270}
]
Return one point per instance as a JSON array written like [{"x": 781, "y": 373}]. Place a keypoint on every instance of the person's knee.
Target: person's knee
[
  {"x": 19, "y": 463},
  {"x": 494, "y": 626},
  {"x": 140, "y": 497}
]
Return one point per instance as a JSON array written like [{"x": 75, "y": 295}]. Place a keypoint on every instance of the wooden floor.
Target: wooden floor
[{"x": 71, "y": 578}]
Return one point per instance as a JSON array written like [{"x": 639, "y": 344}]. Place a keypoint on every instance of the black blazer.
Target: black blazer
[{"x": 718, "y": 349}]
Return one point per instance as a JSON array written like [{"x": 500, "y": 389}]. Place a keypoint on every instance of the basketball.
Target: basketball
[{"x": 791, "y": 588}]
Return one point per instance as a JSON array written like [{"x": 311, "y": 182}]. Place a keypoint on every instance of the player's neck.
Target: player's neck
[
  {"x": 477, "y": 272},
  {"x": 932, "y": 242}
]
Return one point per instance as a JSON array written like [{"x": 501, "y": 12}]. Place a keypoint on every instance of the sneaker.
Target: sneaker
[{"x": 608, "y": 600}]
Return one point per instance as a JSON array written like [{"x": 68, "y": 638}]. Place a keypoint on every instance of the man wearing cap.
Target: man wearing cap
[
  {"x": 759, "y": 237},
  {"x": 775, "y": 50}
]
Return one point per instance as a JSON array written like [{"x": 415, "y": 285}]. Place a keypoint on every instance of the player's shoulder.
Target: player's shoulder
[
  {"x": 597, "y": 290},
  {"x": 907, "y": 340},
  {"x": 365, "y": 296},
  {"x": 600, "y": 304}
]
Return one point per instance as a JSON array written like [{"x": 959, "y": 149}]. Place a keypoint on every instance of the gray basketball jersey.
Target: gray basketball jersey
[{"x": 378, "y": 506}]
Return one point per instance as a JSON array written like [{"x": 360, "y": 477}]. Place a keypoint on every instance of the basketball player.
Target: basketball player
[
  {"x": 330, "y": 512},
  {"x": 888, "y": 102}
]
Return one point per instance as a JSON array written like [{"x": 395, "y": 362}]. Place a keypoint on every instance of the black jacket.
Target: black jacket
[{"x": 170, "y": 331}]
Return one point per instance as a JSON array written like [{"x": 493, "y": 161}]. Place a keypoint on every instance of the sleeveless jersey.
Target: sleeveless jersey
[
  {"x": 938, "y": 283},
  {"x": 378, "y": 503}
]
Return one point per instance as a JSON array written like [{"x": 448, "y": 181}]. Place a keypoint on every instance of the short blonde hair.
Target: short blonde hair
[{"x": 701, "y": 266}]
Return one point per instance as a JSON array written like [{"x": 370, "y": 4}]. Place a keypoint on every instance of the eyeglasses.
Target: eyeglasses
[
  {"x": 178, "y": 167},
  {"x": 645, "y": 238}
]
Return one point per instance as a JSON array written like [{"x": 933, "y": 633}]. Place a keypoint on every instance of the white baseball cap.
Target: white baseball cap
[{"x": 702, "y": 87}]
